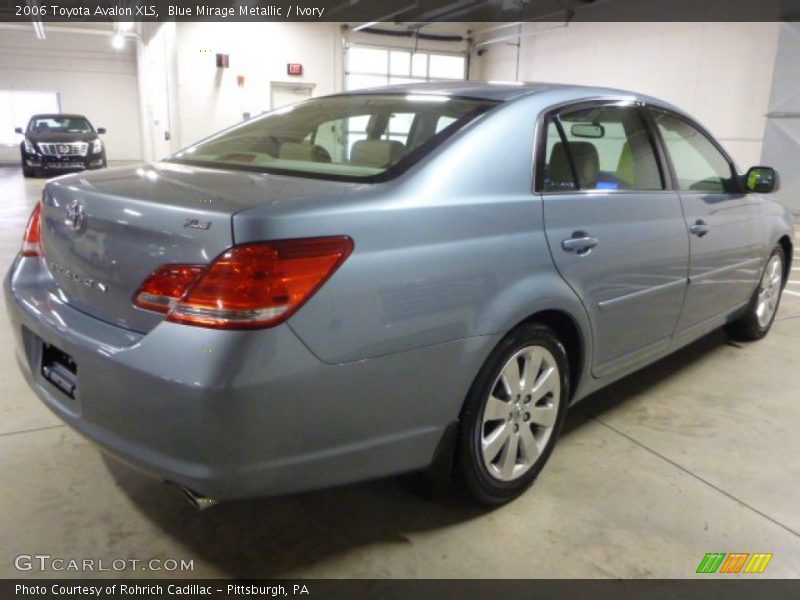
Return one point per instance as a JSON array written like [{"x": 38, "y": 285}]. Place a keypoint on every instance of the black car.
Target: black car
[{"x": 61, "y": 143}]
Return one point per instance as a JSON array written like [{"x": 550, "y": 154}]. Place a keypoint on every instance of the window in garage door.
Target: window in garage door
[
  {"x": 371, "y": 66},
  {"x": 17, "y": 107}
]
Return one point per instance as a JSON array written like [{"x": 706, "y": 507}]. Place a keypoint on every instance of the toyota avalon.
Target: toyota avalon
[{"x": 398, "y": 279}]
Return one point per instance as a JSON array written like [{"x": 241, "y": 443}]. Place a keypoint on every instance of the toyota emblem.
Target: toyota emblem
[{"x": 75, "y": 216}]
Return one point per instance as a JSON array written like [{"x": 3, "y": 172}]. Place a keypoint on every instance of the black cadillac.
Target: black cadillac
[{"x": 60, "y": 143}]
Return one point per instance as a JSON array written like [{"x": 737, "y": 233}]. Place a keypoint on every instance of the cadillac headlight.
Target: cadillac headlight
[
  {"x": 29, "y": 146},
  {"x": 97, "y": 146}
]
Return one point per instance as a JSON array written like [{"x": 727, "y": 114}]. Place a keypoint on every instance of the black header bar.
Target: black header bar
[{"x": 402, "y": 11}]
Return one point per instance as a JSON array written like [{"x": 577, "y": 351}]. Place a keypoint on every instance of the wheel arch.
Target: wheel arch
[
  {"x": 570, "y": 334},
  {"x": 788, "y": 251}
]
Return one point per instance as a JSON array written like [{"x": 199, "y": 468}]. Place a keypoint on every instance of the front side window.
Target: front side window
[
  {"x": 600, "y": 148},
  {"x": 340, "y": 137},
  {"x": 699, "y": 165}
]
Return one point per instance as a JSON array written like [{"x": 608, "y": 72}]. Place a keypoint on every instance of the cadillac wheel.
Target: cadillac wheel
[{"x": 513, "y": 414}]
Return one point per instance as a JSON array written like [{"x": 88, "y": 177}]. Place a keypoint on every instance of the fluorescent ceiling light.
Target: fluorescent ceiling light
[
  {"x": 38, "y": 29},
  {"x": 387, "y": 17},
  {"x": 365, "y": 25}
]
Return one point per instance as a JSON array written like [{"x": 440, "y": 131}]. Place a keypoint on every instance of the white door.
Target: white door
[
  {"x": 283, "y": 94},
  {"x": 158, "y": 108}
]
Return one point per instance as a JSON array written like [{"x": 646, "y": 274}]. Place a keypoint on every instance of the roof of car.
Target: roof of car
[
  {"x": 491, "y": 90},
  {"x": 58, "y": 115}
]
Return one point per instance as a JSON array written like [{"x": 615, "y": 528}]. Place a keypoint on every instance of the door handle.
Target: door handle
[
  {"x": 699, "y": 228},
  {"x": 581, "y": 243}
]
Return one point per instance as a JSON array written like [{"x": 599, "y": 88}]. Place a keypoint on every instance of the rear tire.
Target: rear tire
[
  {"x": 763, "y": 307},
  {"x": 513, "y": 415}
]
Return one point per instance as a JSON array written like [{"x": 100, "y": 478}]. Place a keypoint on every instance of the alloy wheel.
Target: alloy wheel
[
  {"x": 769, "y": 291},
  {"x": 520, "y": 413}
]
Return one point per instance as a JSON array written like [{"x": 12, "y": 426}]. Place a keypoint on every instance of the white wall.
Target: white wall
[
  {"x": 210, "y": 99},
  {"x": 90, "y": 77},
  {"x": 719, "y": 72},
  {"x": 782, "y": 137}
]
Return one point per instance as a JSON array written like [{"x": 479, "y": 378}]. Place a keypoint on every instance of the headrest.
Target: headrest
[
  {"x": 587, "y": 162},
  {"x": 376, "y": 153},
  {"x": 559, "y": 171}
]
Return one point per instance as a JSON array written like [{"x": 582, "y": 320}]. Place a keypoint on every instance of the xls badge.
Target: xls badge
[{"x": 74, "y": 217}]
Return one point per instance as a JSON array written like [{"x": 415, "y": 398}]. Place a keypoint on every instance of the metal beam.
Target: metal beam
[{"x": 518, "y": 36}]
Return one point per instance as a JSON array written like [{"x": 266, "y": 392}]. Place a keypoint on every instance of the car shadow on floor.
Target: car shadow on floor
[
  {"x": 639, "y": 382},
  {"x": 277, "y": 536}
]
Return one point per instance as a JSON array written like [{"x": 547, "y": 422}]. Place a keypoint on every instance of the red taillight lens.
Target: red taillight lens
[
  {"x": 165, "y": 286},
  {"x": 32, "y": 241},
  {"x": 249, "y": 286}
]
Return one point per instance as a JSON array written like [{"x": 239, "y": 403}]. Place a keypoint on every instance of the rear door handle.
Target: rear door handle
[
  {"x": 581, "y": 243},
  {"x": 699, "y": 228}
]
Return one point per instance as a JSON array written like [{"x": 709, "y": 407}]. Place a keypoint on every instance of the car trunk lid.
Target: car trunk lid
[{"x": 104, "y": 233}]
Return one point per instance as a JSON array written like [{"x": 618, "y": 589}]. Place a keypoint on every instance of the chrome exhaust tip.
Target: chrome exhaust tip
[{"x": 198, "y": 501}]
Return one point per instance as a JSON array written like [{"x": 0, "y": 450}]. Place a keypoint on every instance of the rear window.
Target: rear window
[{"x": 354, "y": 138}]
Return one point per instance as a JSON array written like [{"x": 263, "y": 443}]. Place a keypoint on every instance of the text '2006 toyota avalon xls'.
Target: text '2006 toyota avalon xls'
[{"x": 376, "y": 282}]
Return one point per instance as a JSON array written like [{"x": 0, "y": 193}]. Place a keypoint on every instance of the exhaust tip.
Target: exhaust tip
[{"x": 199, "y": 501}]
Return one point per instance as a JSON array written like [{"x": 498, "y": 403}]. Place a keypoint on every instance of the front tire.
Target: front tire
[
  {"x": 513, "y": 415},
  {"x": 763, "y": 307},
  {"x": 28, "y": 172}
]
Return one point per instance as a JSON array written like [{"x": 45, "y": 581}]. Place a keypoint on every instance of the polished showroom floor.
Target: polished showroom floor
[{"x": 698, "y": 453}]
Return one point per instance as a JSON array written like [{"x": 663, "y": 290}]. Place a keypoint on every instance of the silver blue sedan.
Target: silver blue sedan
[{"x": 390, "y": 280}]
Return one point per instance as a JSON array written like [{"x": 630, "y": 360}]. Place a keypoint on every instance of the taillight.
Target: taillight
[
  {"x": 249, "y": 286},
  {"x": 32, "y": 241},
  {"x": 165, "y": 286}
]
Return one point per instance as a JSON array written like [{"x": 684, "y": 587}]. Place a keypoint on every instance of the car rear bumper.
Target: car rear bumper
[{"x": 238, "y": 413}]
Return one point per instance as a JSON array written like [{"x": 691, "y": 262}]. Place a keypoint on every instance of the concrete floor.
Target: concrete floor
[{"x": 698, "y": 453}]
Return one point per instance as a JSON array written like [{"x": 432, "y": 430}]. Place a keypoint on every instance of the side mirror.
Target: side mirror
[
  {"x": 18, "y": 130},
  {"x": 101, "y": 130},
  {"x": 762, "y": 180}
]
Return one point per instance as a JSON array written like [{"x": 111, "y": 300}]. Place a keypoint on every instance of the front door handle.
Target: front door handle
[
  {"x": 581, "y": 243},
  {"x": 699, "y": 228}
]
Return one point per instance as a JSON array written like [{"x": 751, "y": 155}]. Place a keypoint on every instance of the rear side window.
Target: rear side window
[
  {"x": 698, "y": 163},
  {"x": 600, "y": 148}
]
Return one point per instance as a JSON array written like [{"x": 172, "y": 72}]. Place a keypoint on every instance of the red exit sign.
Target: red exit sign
[{"x": 294, "y": 69}]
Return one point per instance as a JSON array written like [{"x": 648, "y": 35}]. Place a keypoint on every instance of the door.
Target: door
[
  {"x": 158, "y": 110},
  {"x": 284, "y": 94},
  {"x": 726, "y": 243},
  {"x": 617, "y": 235}
]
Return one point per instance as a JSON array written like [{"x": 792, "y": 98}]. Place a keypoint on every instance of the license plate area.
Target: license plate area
[{"x": 60, "y": 369}]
